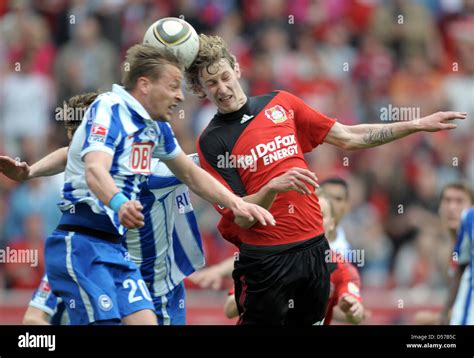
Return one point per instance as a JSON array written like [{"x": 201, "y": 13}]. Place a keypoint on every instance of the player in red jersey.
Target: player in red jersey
[
  {"x": 281, "y": 277},
  {"x": 345, "y": 302}
]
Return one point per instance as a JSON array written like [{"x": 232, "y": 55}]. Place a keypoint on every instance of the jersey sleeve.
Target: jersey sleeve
[
  {"x": 103, "y": 127},
  {"x": 311, "y": 126},
  {"x": 44, "y": 299},
  {"x": 167, "y": 147},
  {"x": 464, "y": 241},
  {"x": 349, "y": 282}
]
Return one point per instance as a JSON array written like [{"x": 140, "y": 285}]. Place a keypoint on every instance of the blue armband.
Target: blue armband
[{"x": 117, "y": 201}]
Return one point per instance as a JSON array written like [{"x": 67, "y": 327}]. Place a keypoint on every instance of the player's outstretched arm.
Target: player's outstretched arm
[
  {"x": 52, "y": 164},
  {"x": 296, "y": 179},
  {"x": 371, "y": 135},
  {"x": 207, "y": 187}
]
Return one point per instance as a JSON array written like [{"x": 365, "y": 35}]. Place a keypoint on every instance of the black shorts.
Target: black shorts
[{"x": 283, "y": 284}]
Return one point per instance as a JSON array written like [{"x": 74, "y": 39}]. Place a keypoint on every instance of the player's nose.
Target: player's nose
[{"x": 180, "y": 96}]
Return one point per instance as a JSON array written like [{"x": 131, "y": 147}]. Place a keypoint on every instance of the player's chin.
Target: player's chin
[{"x": 166, "y": 117}]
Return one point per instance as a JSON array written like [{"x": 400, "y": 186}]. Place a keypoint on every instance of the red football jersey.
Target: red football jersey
[
  {"x": 245, "y": 149},
  {"x": 345, "y": 279}
]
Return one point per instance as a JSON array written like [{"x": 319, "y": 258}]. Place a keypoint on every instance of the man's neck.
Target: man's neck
[{"x": 241, "y": 102}]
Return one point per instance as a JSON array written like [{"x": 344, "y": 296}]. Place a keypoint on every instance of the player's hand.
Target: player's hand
[
  {"x": 353, "y": 309},
  {"x": 294, "y": 179},
  {"x": 208, "y": 277},
  {"x": 13, "y": 169},
  {"x": 251, "y": 212},
  {"x": 439, "y": 121},
  {"x": 130, "y": 215}
]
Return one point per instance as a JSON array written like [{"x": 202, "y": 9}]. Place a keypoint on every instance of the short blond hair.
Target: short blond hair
[
  {"x": 211, "y": 50},
  {"x": 144, "y": 60}
]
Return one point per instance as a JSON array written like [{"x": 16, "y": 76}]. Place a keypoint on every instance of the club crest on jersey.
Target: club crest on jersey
[
  {"x": 98, "y": 134},
  {"x": 276, "y": 114},
  {"x": 150, "y": 133},
  {"x": 105, "y": 303}
]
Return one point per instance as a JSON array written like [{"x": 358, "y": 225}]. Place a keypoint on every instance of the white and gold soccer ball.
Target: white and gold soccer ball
[{"x": 177, "y": 35}]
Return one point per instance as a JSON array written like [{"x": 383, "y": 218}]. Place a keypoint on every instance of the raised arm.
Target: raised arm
[
  {"x": 371, "y": 135},
  {"x": 207, "y": 187},
  {"x": 52, "y": 164},
  {"x": 294, "y": 179}
]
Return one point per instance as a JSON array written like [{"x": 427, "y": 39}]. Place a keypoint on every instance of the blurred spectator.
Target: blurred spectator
[
  {"x": 417, "y": 85},
  {"x": 407, "y": 27},
  {"x": 39, "y": 196},
  {"x": 25, "y": 101},
  {"x": 87, "y": 63},
  {"x": 27, "y": 275}
]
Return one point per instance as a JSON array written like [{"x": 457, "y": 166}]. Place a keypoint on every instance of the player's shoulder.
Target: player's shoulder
[
  {"x": 282, "y": 95},
  {"x": 211, "y": 137},
  {"x": 468, "y": 214},
  {"x": 108, "y": 99}
]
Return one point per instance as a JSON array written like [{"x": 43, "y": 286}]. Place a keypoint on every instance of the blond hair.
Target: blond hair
[
  {"x": 144, "y": 60},
  {"x": 211, "y": 50}
]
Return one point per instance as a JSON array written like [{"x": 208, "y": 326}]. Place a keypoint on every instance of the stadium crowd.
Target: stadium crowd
[{"x": 349, "y": 59}]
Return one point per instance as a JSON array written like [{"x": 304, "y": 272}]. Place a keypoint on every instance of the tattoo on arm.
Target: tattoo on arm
[{"x": 378, "y": 136}]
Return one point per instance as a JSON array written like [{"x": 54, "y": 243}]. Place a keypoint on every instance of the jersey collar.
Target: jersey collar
[{"x": 131, "y": 101}]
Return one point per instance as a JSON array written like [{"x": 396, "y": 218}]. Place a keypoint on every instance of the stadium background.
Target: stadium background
[{"x": 347, "y": 58}]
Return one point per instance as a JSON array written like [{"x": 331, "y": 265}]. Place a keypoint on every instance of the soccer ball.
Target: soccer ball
[{"x": 177, "y": 35}]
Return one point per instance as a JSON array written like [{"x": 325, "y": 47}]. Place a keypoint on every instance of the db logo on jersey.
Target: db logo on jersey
[
  {"x": 140, "y": 158},
  {"x": 276, "y": 114}
]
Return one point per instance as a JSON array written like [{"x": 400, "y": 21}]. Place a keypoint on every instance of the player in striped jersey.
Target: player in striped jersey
[
  {"x": 165, "y": 257},
  {"x": 463, "y": 308},
  {"x": 168, "y": 248}
]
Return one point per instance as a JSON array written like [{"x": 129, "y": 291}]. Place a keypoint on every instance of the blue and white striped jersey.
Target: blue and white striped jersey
[
  {"x": 463, "y": 308},
  {"x": 115, "y": 123},
  {"x": 168, "y": 248},
  {"x": 45, "y": 300},
  {"x": 464, "y": 246}
]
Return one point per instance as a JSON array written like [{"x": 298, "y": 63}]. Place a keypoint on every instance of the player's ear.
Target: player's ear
[{"x": 143, "y": 84}]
